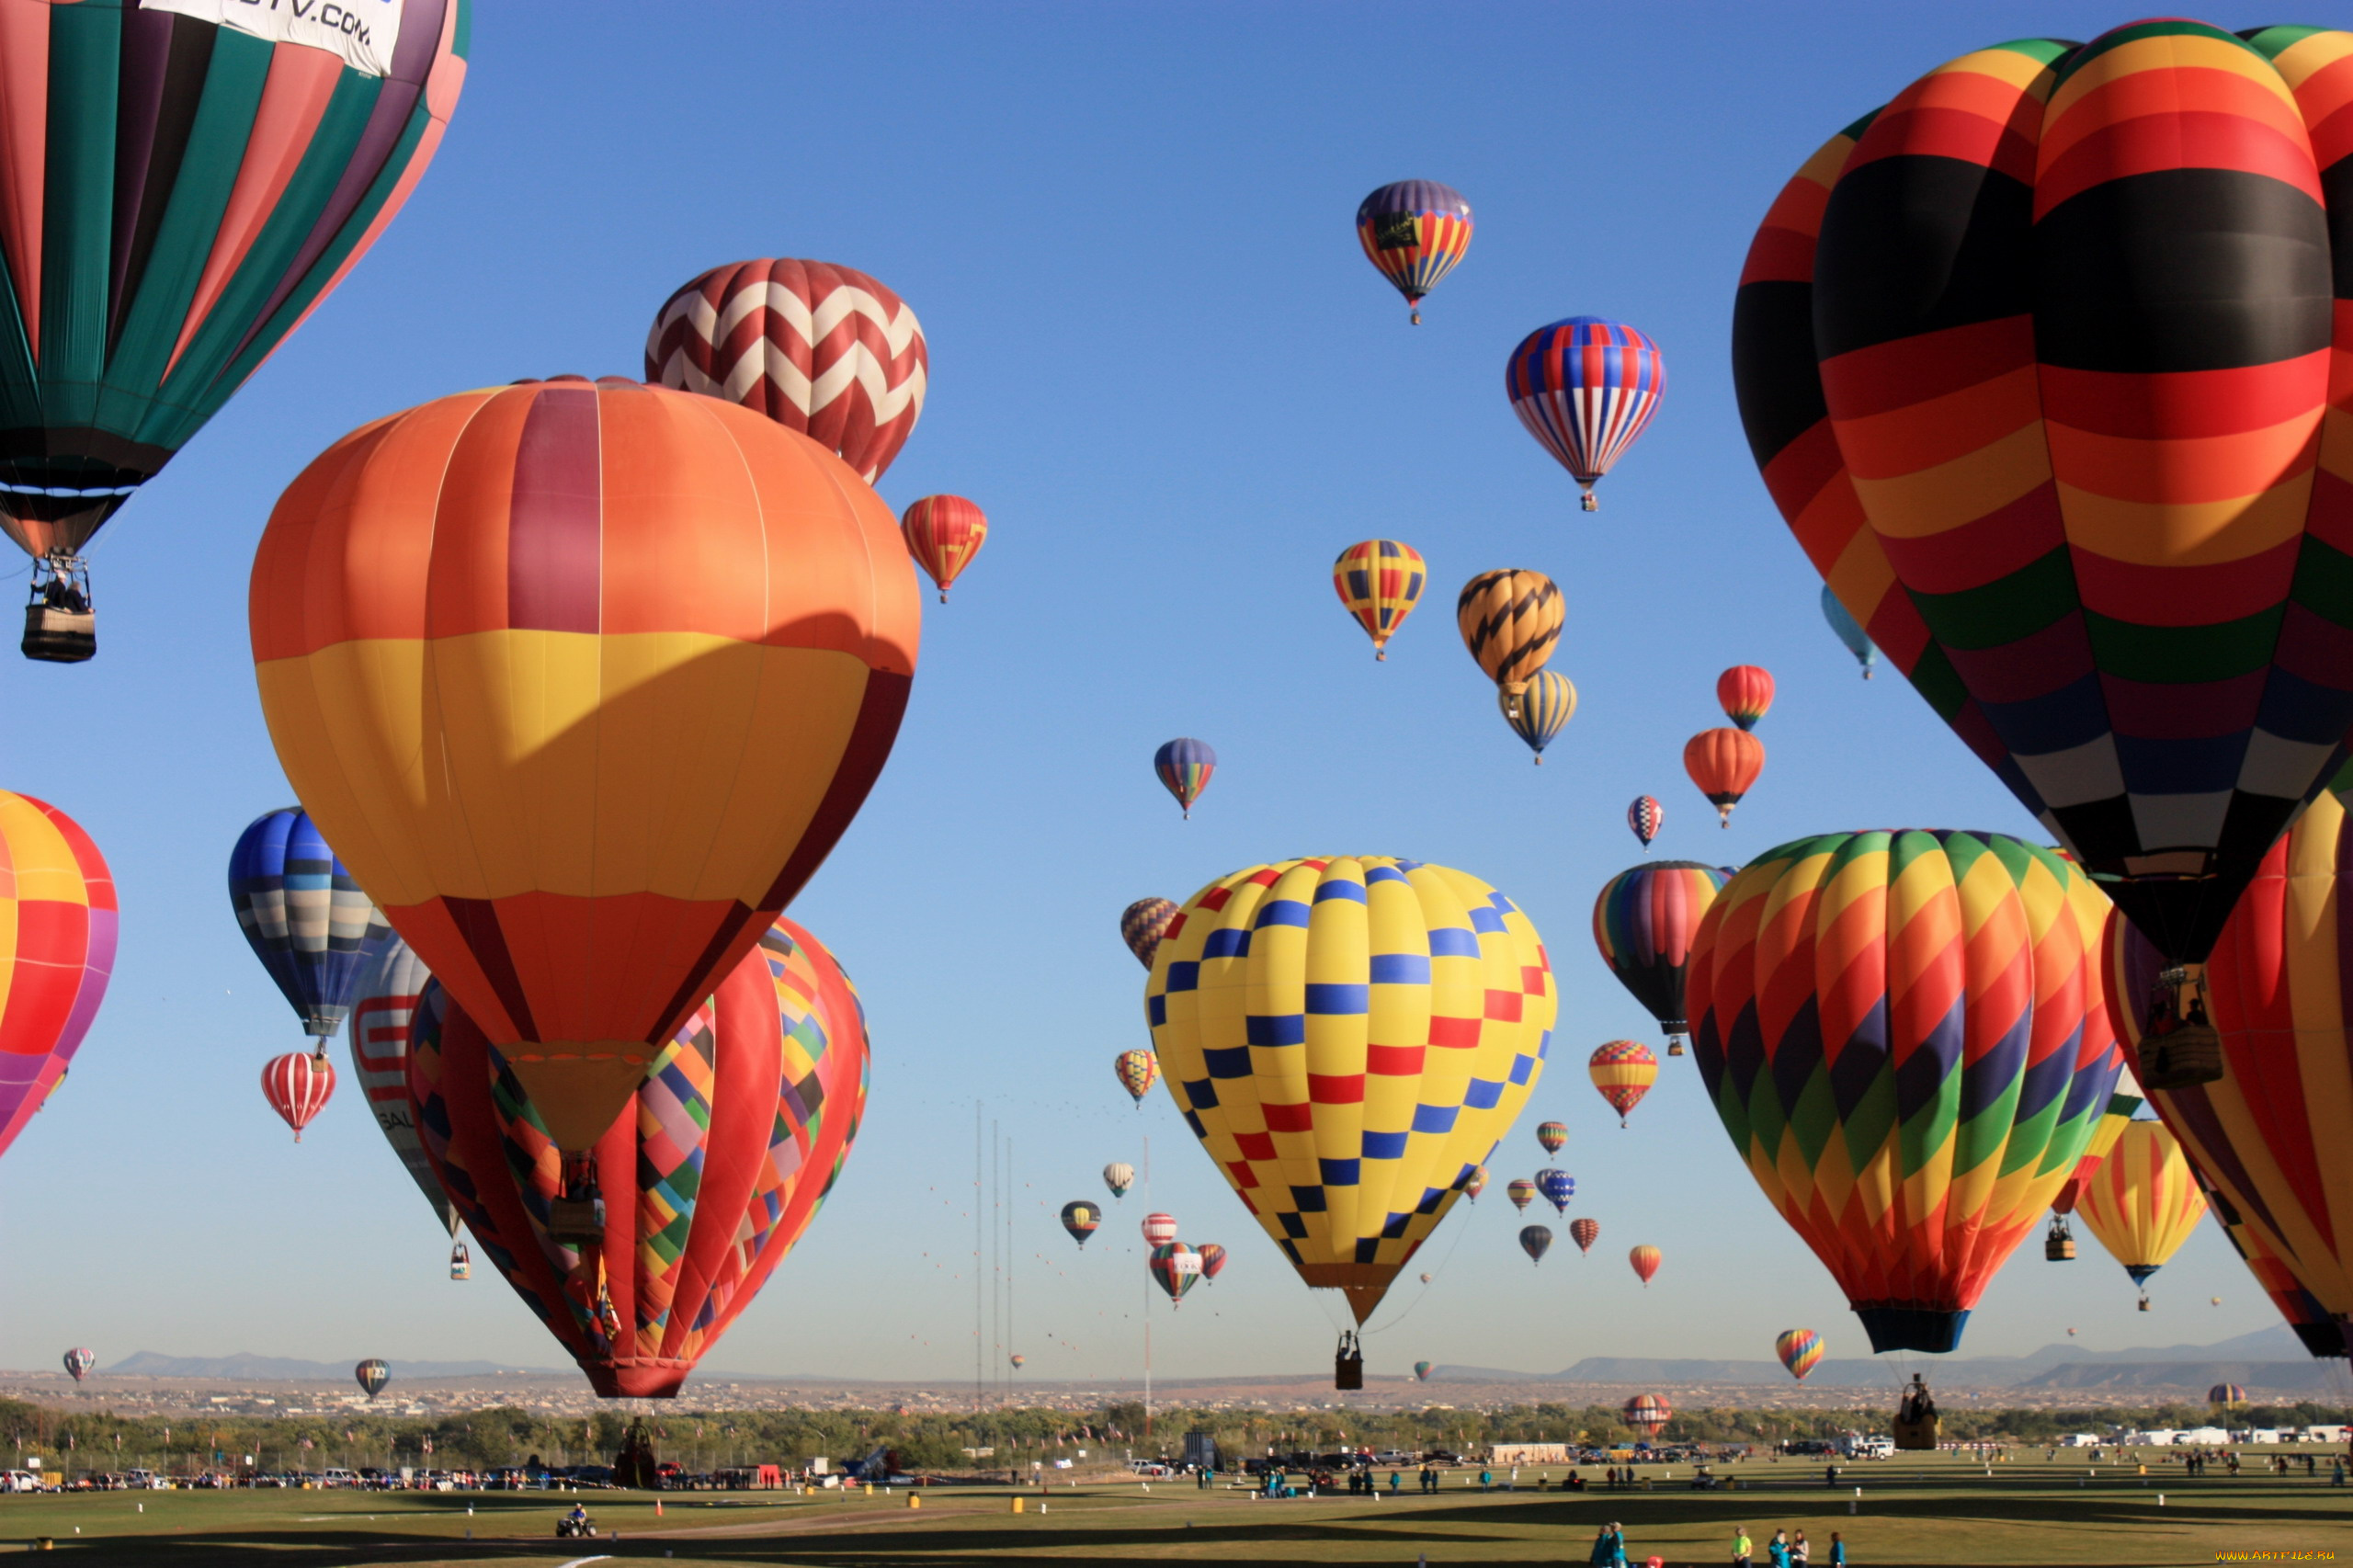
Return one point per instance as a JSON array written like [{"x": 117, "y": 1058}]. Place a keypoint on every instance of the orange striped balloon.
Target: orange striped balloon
[
  {"x": 2142, "y": 1202},
  {"x": 582, "y": 681},
  {"x": 943, "y": 533}
]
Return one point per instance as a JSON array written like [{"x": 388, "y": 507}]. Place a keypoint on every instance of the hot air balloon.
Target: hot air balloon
[
  {"x": 1118, "y": 1175},
  {"x": 1745, "y": 692},
  {"x": 1414, "y": 231},
  {"x": 1723, "y": 764},
  {"x": 825, "y": 351},
  {"x": 1905, "y": 1041},
  {"x": 1137, "y": 1071},
  {"x": 1082, "y": 1219},
  {"x": 1213, "y": 1260},
  {"x": 297, "y": 1086},
  {"x": 1645, "y": 1261},
  {"x": 1422, "y": 1371},
  {"x": 1176, "y": 1269},
  {"x": 1800, "y": 1350},
  {"x": 78, "y": 1363},
  {"x": 1379, "y": 580},
  {"x": 1552, "y": 1135},
  {"x": 2050, "y": 475},
  {"x": 1293, "y": 1010},
  {"x": 1428, "y": 1278},
  {"x": 943, "y": 533},
  {"x": 1586, "y": 388},
  {"x": 372, "y": 1376},
  {"x": 57, "y": 940},
  {"x": 382, "y": 1012},
  {"x": 1644, "y": 817},
  {"x": 710, "y": 1174},
  {"x": 2265, "y": 1133},
  {"x": 1509, "y": 620},
  {"x": 1623, "y": 1070},
  {"x": 1585, "y": 1233},
  {"x": 302, "y": 915},
  {"x": 2071, "y": 1333},
  {"x": 1159, "y": 1229},
  {"x": 1648, "y": 1413},
  {"x": 1535, "y": 1240},
  {"x": 2226, "y": 1395},
  {"x": 1540, "y": 711},
  {"x": 1521, "y": 1191},
  {"x": 2060, "y": 1246},
  {"x": 2142, "y": 1203},
  {"x": 1557, "y": 1187},
  {"x": 520, "y": 776},
  {"x": 1644, "y": 921},
  {"x": 1018, "y": 1360},
  {"x": 1474, "y": 1183},
  {"x": 1184, "y": 765},
  {"x": 1143, "y": 924},
  {"x": 2323, "y": 1334},
  {"x": 182, "y": 190},
  {"x": 1849, "y": 633}
]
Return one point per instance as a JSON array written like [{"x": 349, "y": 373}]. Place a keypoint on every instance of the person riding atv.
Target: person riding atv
[{"x": 575, "y": 1523}]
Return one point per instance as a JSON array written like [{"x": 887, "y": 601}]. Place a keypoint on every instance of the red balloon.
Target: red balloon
[
  {"x": 708, "y": 1177},
  {"x": 297, "y": 1086},
  {"x": 943, "y": 533},
  {"x": 1724, "y": 764},
  {"x": 1746, "y": 691}
]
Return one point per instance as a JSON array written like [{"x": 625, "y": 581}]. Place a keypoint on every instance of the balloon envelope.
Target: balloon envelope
[
  {"x": 1745, "y": 692},
  {"x": 1183, "y": 766},
  {"x": 1643, "y": 923},
  {"x": 78, "y": 1363},
  {"x": 2142, "y": 1203},
  {"x": 2078, "y": 499},
  {"x": 709, "y": 1175},
  {"x": 1586, "y": 388},
  {"x": 824, "y": 350},
  {"x": 1552, "y": 1135},
  {"x": 1645, "y": 1261},
  {"x": 382, "y": 1015},
  {"x": 1535, "y": 1241},
  {"x": 372, "y": 1376},
  {"x": 1557, "y": 1187},
  {"x": 298, "y": 1087},
  {"x": 302, "y": 914},
  {"x": 1510, "y": 622},
  {"x": 1082, "y": 1219},
  {"x": 1373, "y": 1024},
  {"x": 1644, "y": 817},
  {"x": 1851, "y": 635},
  {"x": 1422, "y": 1371},
  {"x": 1585, "y": 1233},
  {"x": 1800, "y": 1350},
  {"x": 1141, "y": 925},
  {"x": 57, "y": 940},
  {"x": 943, "y": 534},
  {"x": 498, "y": 639},
  {"x": 1380, "y": 581},
  {"x": 1623, "y": 1071},
  {"x": 1723, "y": 764},
  {"x": 1905, "y": 1043},
  {"x": 1119, "y": 1176},
  {"x": 1414, "y": 231},
  {"x": 1137, "y": 1071},
  {"x": 1521, "y": 1191},
  {"x": 1541, "y": 710}
]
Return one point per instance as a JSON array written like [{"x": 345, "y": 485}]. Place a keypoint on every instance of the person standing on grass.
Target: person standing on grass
[
  {"x": 1740, "y": 1547},
  {"x": 1801, "y": 1554},
  {"x": 1777, "y": 1550},
  {"x": 1617, "y": 1545},
  {"x": 1837, "y": 1552},
  {"x": 1604, "y": 1552}
]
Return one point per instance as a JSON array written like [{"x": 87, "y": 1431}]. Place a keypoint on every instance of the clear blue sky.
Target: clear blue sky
[{"x": 1160, "y": 362}]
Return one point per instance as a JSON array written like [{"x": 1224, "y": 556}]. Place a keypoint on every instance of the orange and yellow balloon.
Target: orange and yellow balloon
[
  {"x": 583, "y": 681},
  {"x": 2142, "y": 1202},
  {"x": 1137, "y": 1071}
]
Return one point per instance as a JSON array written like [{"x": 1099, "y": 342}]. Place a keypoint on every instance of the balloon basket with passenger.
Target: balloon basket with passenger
[
  {"x": 2059, "y": 1246},
  {"x": 60, "y": 627},
  {"x": 1915, "y": 1418},
  {"x": 1348, "y": 1362},
  {"x": 2179, "y": 1050}
]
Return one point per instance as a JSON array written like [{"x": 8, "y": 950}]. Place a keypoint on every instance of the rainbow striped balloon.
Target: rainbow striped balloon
[
  {"x": 1800, "y": 1350},
  {"x": 1183, "y": 766},
  {"x": 1906, "y": 1040},
  {"x": 1644, "y": 922}
]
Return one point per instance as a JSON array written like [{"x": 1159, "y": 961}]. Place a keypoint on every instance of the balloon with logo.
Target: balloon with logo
[
  {"x": 1295, "y": 1009},
  {"x": 1540, "y": 711},
  {"x": 1535, "y": 1240},
  {"x": 1906, "y": 1040},
  {"x": 184, "y": 185},
  {"x": 58, "y": 923},
  {"x": 1745, "y": 692},
  {"x": 298, "y": 1087},
  {"x": 2142, "y": 1203},
  {"x": 1414, "y": 231},
  {"x": 1137, "y": 1071},
  {"x": 1183, "y": 766},
  {"x": 1143, "y": 924},
  {"x": 303, "y": 916},
  {"x": 1644, "y": 817},
  {"x": 1850, "y": 635},
  {"x": 1586, "y": 388},
  {"x": 521, "y": 774},
  {"x": 1643, "y": 923},
  {"x": 1552, "y": 1135},
  {"x": 825, "y": 350},
  {"x": 372, "y": 1375},
  {"x": 1623, "y": 1072},
  {"x": 1585, "y": 1233},
  {"x": 383, "y": 1012},
  {"x": 944, "y": 533},
  {"x": 1176, "y": 1269},
  {"x": 710, "y": 1175},
  {"x": 1378, "y": 582},
  {"x": 1800, "y": 1350},
  {"x": 1645, "y": 1261},
  {"x": 1082, "y": 1219},
  {"x": 2070, "y": 489},
  {"x": 1556, "y": 1187}
]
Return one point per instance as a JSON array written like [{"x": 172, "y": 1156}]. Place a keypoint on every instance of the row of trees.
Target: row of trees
[{"x": 709, "y": 1440}]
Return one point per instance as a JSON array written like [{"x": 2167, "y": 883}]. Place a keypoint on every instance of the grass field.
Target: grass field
[{"x": 1925, "y": 1511}]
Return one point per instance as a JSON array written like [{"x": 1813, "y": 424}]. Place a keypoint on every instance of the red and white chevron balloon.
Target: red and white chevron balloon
[{"x": 822, "y": 349}]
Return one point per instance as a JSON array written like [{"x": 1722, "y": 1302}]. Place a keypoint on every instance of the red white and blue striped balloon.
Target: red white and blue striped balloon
[{"x": 1586, "y": 388}]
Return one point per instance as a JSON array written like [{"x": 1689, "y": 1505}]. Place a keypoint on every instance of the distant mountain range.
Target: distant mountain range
[{"x": 2269, "y": 1357}]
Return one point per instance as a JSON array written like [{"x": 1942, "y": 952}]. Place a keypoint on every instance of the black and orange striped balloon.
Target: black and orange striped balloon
[{"x": 1510, "y": 622}]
